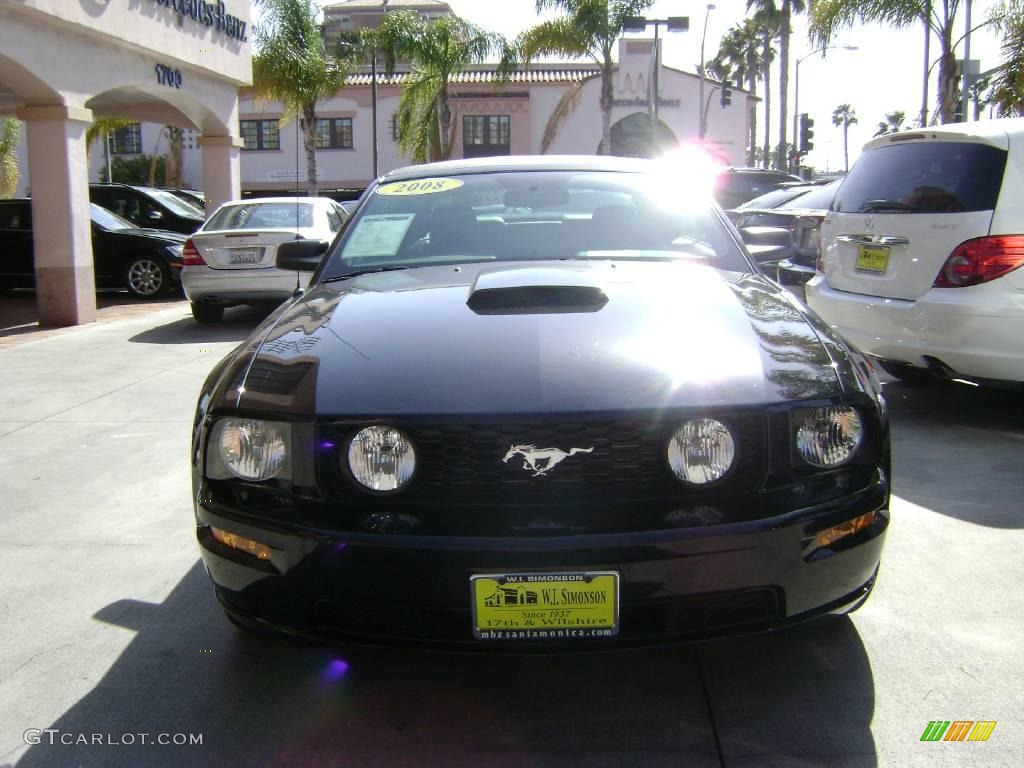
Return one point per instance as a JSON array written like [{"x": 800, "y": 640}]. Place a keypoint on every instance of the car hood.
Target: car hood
[{"x": 579, "y": 336}]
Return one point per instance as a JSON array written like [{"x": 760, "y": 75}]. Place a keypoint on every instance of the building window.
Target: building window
[
  {"x": 485, "y": 135},
  {"x": 128, "y": 140},
  {"x": 334, "y": 133},
  {"x": 260, "y": 134}
]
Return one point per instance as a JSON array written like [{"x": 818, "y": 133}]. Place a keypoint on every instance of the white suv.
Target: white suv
[{"x": 921, "y": 253}]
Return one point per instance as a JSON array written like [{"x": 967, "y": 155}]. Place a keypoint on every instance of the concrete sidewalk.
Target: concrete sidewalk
[
  {"x": 108, "y": 624},
  {"x": 19, "y": 319}
]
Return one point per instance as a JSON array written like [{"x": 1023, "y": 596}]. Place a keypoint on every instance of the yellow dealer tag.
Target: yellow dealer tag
[{"x": 419, "y": 187}]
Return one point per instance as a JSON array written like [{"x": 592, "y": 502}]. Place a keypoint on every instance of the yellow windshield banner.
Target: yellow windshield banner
[{"x": 419, "y": 187}]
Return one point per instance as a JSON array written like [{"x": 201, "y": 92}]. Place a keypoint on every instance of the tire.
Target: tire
[
  {"x": 207, "y": 313},
  {"x": 908, "y": 374},
  {"x": 147, "y": 277}
]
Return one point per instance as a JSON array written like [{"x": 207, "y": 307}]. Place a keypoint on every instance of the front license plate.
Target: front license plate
[
  {"x": 872, "y": 258},
  {"x": 545, "y": 606},
  {"x": 246, "y": 256}
]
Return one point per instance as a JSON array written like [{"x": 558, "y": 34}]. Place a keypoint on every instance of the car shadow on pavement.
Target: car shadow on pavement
[
  {"x": 237, "y": 324},
  {"x": 958, "y": 450},
  {"x": 258, "y": 700},
  {"x": 802, "y": 697}
]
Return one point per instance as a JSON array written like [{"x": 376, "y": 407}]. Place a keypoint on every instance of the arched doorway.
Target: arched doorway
[{"x": 631, "y": 137}]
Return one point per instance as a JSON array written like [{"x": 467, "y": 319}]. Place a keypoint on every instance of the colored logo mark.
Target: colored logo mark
[{"x": 958, "y": 730}]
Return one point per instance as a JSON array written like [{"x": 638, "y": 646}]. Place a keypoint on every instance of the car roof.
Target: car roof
[
  {"x": 523, "y": 163},
  {"x": 998, "y": 133}
]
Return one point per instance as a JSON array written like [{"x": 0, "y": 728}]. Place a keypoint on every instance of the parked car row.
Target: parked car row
[
  {"x": 146, "y": 262},
  {"x": 797, "y": 209}
]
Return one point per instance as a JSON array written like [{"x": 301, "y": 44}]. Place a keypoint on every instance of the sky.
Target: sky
[{"x": 884, "y": 74}]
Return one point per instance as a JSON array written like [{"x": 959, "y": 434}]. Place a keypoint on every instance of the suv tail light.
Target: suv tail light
[
  {"x": 190, "y": 255},
  {"x": 980, "y": 260}
]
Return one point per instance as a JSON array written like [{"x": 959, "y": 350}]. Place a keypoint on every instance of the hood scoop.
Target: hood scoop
[{"x": 534, "y": 291}]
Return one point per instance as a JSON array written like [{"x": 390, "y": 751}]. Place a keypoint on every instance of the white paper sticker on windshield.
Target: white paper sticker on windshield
[{"x": 378, "y": 235}]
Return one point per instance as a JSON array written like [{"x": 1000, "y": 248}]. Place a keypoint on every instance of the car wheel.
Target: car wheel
[
  {"x": 146, "y": 277},
  {"x": 908, "y": 374},
  {"x": 207, "y": 313}
]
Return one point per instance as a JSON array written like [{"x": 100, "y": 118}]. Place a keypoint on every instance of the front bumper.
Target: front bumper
[
  {"x": 976, "y": 332},
  {"x": 675, "y": 585}
]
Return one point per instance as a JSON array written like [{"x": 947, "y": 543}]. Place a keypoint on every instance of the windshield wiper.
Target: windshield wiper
[
  {"x": 885, "y": 205},
  {"x": 361, "y": 272}
]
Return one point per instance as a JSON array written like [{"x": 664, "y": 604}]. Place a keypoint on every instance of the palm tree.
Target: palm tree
[
  {"x": 828, "y": 17},
  {"x": 844, "y": 116},
  {"x": 893, "y": 123},
  {"x": 437, "y": 50},
  {"x": 766, "y": 23},
  {"x": 785, "y": 10},
  {"x": 740, "y": 53},
  {"x": 1008, "y": 82},
  {"x": 10, "y": 133},
  {"x": 587, "y": 28},
  {"x": 292, "y": 66}
]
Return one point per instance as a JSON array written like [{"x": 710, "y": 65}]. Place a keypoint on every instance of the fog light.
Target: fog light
[
  {"x": 242, "y": 544},
  {"x": 831, "y": 535}
]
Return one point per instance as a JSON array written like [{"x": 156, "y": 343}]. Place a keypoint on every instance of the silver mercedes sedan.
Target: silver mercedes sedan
[{"x": 231, "y": 259}]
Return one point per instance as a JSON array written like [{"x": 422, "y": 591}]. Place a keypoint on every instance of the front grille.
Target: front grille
[
  {"x": 621, "y": 460},
  {"x": 689, "y": 616}
]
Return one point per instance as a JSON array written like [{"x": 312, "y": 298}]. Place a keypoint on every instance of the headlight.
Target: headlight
[
  {"x": 175, "y": 250},
  {"x": 249, "y": 448},
  {"x": 381, "y": 458},
  {"x": 701, "y": 451},
  {"x": 826, "y": 437}
]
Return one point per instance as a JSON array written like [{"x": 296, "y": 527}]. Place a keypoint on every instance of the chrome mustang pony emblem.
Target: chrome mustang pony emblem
[{"x": 542, "y": 460}]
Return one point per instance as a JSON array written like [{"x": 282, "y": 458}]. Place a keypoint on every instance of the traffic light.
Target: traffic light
[
  {"x": 726, "y": 97},
  {"x": 806, "y": 133}
]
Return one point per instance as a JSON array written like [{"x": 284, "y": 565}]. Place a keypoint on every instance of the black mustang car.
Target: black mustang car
[{"x": 537, "y": 403}]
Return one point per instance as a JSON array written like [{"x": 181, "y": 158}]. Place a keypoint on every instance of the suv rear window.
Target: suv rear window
[{"x": 924, "y": 177}]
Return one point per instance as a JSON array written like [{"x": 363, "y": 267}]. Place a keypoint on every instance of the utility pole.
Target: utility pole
[{"x": 701, "y": 125}]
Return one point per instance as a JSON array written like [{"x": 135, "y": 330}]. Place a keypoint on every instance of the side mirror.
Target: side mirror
[
  {"x": 301, "y": 255},
  {"x": 767, "y": 244},
  {"x": 155, "y": 216}
]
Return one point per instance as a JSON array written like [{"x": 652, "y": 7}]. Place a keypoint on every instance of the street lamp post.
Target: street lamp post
[
  {"x": 640, "y": 24},
  {"x": 700, "y": 102},
  {"x": 796, "y": 85}
]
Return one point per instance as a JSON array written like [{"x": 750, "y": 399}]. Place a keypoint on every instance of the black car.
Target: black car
[
  {"x": 801, "y": 215},
  {"x": 535, "y": 403},
  {"x": 148, "y": 207},
  {"x": 146, "y": 262},
  {"x": 190, "y": 196},
  {"x": 735, "y": 186}
]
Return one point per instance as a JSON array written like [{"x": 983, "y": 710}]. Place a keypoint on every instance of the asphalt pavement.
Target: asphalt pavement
[{"x": 109, "y": 629}]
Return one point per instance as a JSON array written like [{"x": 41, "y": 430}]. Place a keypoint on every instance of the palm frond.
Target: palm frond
[
  {"x": 829, "y": 17},
  {"x": 562, "y": 112}
]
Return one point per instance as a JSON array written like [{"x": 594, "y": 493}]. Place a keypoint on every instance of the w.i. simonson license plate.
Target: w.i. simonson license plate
[{"x": 545, "y": 606}]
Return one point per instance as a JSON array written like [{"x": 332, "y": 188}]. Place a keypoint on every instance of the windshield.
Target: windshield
[
  {"x": 519, "y": 216},
  {"x": 174, "y": 203},
  {"x": 256, "y": 215},
  {"x": 107, "y": 220}
]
